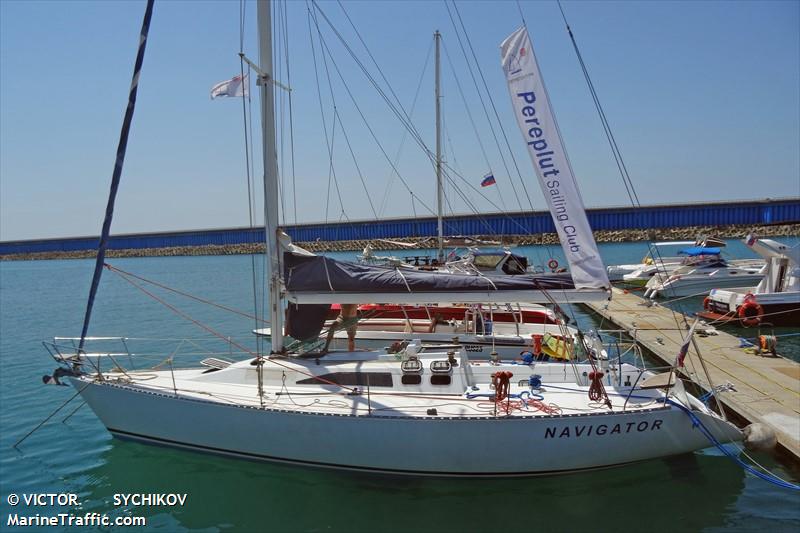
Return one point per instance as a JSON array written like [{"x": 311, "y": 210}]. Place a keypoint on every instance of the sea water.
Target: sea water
[{"x": 42, "y": 299}]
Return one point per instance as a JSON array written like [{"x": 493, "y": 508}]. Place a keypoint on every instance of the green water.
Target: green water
[{"x": 38, "y": 300}]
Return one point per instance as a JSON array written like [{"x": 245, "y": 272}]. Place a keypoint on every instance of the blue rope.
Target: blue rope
[
  {"x": 696, "y": 422},
  {"x": 769, "y": 477},
  {"x": 517, "y": 396}
]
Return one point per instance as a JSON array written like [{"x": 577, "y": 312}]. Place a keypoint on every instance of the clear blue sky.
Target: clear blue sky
[{"x": 704, "y": 99}]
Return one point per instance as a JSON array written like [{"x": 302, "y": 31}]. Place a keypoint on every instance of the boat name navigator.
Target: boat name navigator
[{"x": 602, "y": 429}]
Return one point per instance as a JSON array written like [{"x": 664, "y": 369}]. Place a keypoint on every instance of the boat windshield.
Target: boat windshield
[{"x": 487, "y": 261}]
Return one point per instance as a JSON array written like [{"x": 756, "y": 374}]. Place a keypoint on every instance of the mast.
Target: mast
[
  {"x": 437, "y": 37},
  {"x": 270, "y": 159}
]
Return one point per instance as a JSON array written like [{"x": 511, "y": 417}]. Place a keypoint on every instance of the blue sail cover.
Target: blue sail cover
[
  {"x": 699, "y": 250},
  {"x": 318, "y": 274}
]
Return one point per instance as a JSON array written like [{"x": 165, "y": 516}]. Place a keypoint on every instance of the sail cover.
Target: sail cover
[
  {"x": 538, "y": 125},
  {"x": 319, "y": 274}
]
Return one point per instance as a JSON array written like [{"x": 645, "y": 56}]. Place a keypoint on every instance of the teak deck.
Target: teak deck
[{"x": 767, "y": 388}]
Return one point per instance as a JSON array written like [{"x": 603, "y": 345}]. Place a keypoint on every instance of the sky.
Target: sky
[{"x": 703, "y": 99}]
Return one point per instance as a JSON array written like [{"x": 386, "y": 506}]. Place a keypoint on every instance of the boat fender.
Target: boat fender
[
  {"x": 759, "y": 436},
  {"x": 750, "y": 313},
  {"x": 536, "y": 343},
  {"x": 552, "y": 265}
]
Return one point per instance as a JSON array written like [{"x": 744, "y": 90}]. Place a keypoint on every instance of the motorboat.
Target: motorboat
[
  {"x": 702, "y": 270},
  {"x": 774, "y": 301},
  {"x": 651, "y": 262}
]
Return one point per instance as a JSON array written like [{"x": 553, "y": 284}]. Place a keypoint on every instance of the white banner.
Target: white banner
[{"x": 539, "y": 128}]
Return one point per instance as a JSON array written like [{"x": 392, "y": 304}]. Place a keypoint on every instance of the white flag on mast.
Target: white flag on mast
[
  {"x": 538, "y": 125},
  {"x": 235, "y": 86}
]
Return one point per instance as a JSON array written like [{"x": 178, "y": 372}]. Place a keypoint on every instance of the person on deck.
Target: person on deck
[{"x": 347, "y": 315}]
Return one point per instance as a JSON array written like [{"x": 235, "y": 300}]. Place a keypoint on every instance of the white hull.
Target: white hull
[
  {"x": 423, "y": 427},
  {"x": 626, "y": 272},
  {"x": 412, "y": 445},
  {"x": 699, "y": 285},
  {"x": 733, "y": 299},
  {"x": 431, "y": 446}
]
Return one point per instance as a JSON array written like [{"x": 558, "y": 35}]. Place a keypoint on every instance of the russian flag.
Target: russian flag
[
  {"x": 685, "y": 346},
  {"x": 488, "y": 179}
]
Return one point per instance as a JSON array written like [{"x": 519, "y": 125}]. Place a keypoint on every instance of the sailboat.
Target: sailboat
[
  {"x": 505, "y": 331},
  {"x": 411, "y": 412}
]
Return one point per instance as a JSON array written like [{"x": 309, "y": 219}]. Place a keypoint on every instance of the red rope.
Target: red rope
[
  {"x": 523, "y": 405},
  {"x": 596, "y": 391}
]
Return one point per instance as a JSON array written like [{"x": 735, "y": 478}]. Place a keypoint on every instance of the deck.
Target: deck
[{"x": 767, "y": 388}]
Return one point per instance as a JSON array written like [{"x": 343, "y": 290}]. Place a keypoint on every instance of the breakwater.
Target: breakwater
[{"x": 627, "y": 235}]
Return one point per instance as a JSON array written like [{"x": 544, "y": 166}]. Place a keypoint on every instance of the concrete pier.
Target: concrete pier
[{"x": 767, "y": 388}]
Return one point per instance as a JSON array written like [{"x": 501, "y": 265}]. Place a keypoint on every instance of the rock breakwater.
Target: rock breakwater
[{"x": 668, "y": 234}]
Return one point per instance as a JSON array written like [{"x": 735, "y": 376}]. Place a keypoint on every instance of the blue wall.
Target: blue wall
[{"x": 758, "y": 212}]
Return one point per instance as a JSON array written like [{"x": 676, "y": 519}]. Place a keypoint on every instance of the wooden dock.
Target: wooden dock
[{"x": 767, "y": 389}]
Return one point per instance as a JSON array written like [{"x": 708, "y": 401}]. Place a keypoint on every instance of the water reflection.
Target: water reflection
[{"x": 242, "y": 495}]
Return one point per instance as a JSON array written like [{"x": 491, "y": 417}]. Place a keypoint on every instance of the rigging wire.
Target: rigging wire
[
  {"x": 336, "y": 116},
  {"x": 353, "y": 99},
  {"x": 489, "y": 120},
  {"x": 325, "y": 55},
  {"x": 680, "y": 318},
  {"x": 278, "y": 101},
  {"x": 623, "y": 169},
  {"x": 483, "y": 106},
  {"x": 116, "y": 270},
  {"x": 248, "y": 163},
  {"x": 321, "y": 112},
  {"x": 227, "y": 339},
  {"x": 399, "y": 113},
  {"x": 471, "y": 121},
  {"x": 491, "y": 101},
  {"x": 374, "y": 62},
  {"x": 287, "y": 64},
  {"x": 384, "y": 201}
]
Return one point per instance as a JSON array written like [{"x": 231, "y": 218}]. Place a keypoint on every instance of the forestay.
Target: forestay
[{"x": 538, "y": 125}]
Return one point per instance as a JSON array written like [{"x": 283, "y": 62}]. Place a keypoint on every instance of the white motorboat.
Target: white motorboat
[
  {"x": 652, "y": 262},
  {"x": 774, "y": 301},
  {"x": 406, "y": 412},
  {"x": 700, "y": 273}
]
